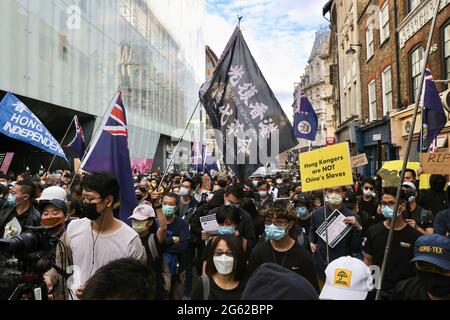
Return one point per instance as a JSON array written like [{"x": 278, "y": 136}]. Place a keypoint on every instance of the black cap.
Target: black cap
[
  {"x": 302, "y": 198},
  {"x": 273, "y": 282}
]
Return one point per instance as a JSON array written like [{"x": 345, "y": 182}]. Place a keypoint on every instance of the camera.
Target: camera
[{"x": 23, "y": 261}]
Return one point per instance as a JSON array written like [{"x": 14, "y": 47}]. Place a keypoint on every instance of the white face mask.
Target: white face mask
[
  {"x": 184, "y": 191},
  {"x": 367, "y": 193},
  {"x": 224, "y": 264},
  {"x": 263, "y": 194},
  {"x": 334, "y": 199}
]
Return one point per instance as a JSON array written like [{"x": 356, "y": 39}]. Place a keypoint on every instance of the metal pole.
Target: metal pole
[
  {"x": 326, "y": 227},
  {"x": 176, "y": 148},
  {"x": 62, "y": 141},
  {"x": 408, "y": 147}
]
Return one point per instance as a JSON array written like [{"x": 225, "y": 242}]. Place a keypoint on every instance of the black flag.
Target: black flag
[{"x": 253, "y": 127}]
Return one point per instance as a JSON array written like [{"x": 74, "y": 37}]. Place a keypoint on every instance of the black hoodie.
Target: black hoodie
[{"x": 435, "y": 198}]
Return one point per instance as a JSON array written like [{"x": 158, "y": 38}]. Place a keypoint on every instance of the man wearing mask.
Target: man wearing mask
[
  {"x": 399, "y": 266},
  {"x": 350, "y": 243},
  {"x": 435, "y": 199},
  {"x": 187, "y": 202},
  {"x": 263, "y": 197},
  {"x": 177, "y": 239},
  {"x": 280, "y": 187},
  {"x": 416, "y": 216},
  {"x": 20, "y": 210},
  {"x": 302, "y": 206},
  {"x": 368, "y": 204},
  {"x": 99, "y": 238},
  {"x": 281, "y": 248},
  {"x": 432, "y": 262}
]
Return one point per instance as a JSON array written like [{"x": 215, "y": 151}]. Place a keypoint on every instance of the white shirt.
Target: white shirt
[{"x": 87, "y": 258}]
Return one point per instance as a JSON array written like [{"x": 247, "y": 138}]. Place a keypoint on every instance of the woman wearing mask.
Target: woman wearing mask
[
  {"x": 280, "y": 247},
  {"x": 152, "y": 236},
  {"x": 225, "y": 272}
]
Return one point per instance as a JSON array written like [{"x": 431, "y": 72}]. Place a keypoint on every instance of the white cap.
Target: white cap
[
  {"x": 409, "y": 184},
  {"x": 347, "y": 279},
  {"x": 53, "y": 193},
  {"x": 143, "y": 212}
]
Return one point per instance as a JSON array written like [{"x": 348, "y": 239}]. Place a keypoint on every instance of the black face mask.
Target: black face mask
[
  {"x": 436, "y": 284},
  {"x": 89, "y": 210}
]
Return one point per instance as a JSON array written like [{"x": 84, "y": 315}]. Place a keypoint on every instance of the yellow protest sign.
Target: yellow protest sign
[{"x": 326, "y": 167}]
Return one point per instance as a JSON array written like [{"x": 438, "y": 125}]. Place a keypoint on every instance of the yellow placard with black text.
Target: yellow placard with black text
[{"x": 326, "y": 167}]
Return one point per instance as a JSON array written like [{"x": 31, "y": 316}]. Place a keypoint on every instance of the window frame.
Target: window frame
[
  {"x": 409, "y": 5},
  {"x": 372, "y": 100},
  {"x": 386, "y": 23},
  {"x": 370, "y": 44},
  {"x": 444, "y": 58},
  {"x": 411, "y": 78},
  {"x": 386, "y": 108}
]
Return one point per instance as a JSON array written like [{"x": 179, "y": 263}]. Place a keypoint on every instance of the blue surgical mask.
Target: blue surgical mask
[
  {"x": 387, "y": 212},
  {"x": 226, "y": 230},
  {"x": 301, "y": 211},
  {"x": 255, "y": 183},
  {"x": 11, "y": 200},
  {"x": 275, "y": 233},
  {"x": 168, "y": 210}
]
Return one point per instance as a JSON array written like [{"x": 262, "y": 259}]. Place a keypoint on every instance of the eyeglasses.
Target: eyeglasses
[
  {"x": 390, "y": 204},
  {"x": 276, "y": 222},
  {"x": 218, "y": 253},
  {"x": 368, "y": 188}
]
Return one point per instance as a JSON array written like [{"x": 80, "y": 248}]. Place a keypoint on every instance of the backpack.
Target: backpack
[{"x": 164, "y": 267}]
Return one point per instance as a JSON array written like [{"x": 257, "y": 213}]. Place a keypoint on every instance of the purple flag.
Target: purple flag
[{"x": 109, "y": 152}]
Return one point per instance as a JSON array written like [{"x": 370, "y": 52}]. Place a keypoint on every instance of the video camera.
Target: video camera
[{"x": 23, "y": 261}]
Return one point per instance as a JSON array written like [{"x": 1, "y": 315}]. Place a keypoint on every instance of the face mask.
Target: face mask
[
  {"x": 11, "y": 201},
  {"x": 168, "y": 210},
  {"x": 437, "y": 285},
  {"x": 301, "y": 211},
  {"x": 387, "y": 212},
  {"x": 52, "y": 222},
  {"x": 334, "y": 199},
  {"x": 411, "y": 199},
  {"x": 141, "y": 227},
  {"x": 275, "y": 233},
  {"x": 367, "y": 193},
  {"x": 224, "y": 264},
  {"x": 255, "y": 183},
  {"x": 263, "y": 194},
  {"x": 4, "y": 184},
  {"x": 279, "y": 181},
  {"x": 89, "y": 210},
  {"x": 184, "y": 191},
  {"x": 226, "y": 230}
]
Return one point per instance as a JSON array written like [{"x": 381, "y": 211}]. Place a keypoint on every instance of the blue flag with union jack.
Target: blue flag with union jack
[
  {"x": 305, "y": 122},
  {"x": 78, "y": 144},
  {"x": 109, "y": 152},
  {"x": 433, "y": 115}
]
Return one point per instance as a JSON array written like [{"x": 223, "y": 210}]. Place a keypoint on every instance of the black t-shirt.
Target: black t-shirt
[
  {"x": 296, "y": 259},
  {"x": 217, "y": 293},
  {"x": 368, "y": 213},
  {"x": 410, "y": 289},
  {"x": 399, "y": 266},
  {"x": 423, "y": 218}
]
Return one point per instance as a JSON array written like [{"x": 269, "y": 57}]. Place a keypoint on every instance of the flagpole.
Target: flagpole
[
  {"x": 62, "y": 141},
  {"x": 408, "y": 147},
  {"x": 178, "y": 144}
]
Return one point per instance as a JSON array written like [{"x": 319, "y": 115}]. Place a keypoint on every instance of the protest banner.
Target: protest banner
[
  {"x": 326, "y": 167},
  {"x": 435, "y": 163},
  {"x": 359, "y": 160}
]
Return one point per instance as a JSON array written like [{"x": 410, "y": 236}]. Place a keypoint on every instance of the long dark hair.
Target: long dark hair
[{"x": 235, "y": 245}]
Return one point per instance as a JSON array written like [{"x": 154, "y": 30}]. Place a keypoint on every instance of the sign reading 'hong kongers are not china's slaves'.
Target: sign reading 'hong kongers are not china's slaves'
[
  {"x": 18, "y": 122},
  {"x": 326, "y": 167}
]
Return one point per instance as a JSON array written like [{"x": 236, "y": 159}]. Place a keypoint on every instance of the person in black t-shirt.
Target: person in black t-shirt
[
  {"x": 432, "y": 282},
  {"x": 280, "y": 247},
  {"x": 367, "y": 206},
  {"x": 226, "y": 271},
  {"x": 399, "y": 266},
  {"x": 416, "y": 216}
]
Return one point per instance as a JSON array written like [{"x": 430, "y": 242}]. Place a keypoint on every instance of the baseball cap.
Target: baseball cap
[
  {"x": 302, "y": 198},
  {"x": 433, "y": 248},
  {"x": 56, "y": 202},
  {"x": 347, "y": 279},
  {"x": 143, "y": 212},
  {"x": 409, "y": 185},
  {"x": 53, "y": 192}
]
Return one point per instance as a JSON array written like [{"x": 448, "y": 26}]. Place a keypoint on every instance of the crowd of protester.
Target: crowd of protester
[{"x": 266, "y": 245}]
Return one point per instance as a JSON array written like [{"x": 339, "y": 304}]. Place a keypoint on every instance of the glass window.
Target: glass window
[
  {"x": 387, "y": 90},
  {"x": 369, "y": 41},
  {"x": 412, "y": 4},
  {"x": 372, "y": 101},
  {"x": 384, "y": 23},
  {"x": 415, "y": 59},
  {"x": 446, "y": 40}
]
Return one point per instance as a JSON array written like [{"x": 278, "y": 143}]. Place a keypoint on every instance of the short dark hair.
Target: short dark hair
[
  {"x": 236, "y": 190},
  {"x": 191, "y": 182},
  {"x": 240, "y": 261},
  {"x": 170, "y": 195},
  {"x": 369, "y": 181},
  {"x": 248, "y": 205},
  {"x": 413, "y": 173},
  {"x": 392, "y": 191},
  {"x": 228, "y": 212},
  {"x": 104, "y": 183},
  {"x": 124, "y": 279},
  {"x": 262, "y": 183},
  {"x": 27, "y": 187}
]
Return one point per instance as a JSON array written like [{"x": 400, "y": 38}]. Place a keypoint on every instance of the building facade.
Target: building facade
[{"x": 65, "y": 59}]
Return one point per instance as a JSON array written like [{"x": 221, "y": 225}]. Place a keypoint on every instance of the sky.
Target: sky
[{"x": 279, "y": 33}]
